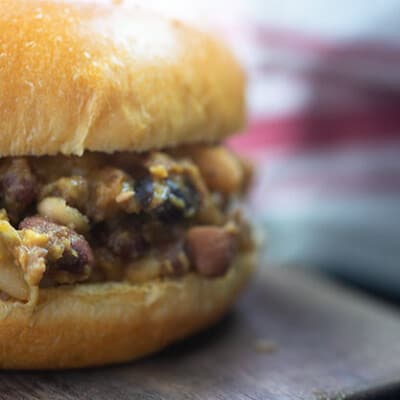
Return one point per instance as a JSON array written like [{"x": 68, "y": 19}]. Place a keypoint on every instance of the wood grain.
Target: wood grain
[{"x": 292, "y": 336}]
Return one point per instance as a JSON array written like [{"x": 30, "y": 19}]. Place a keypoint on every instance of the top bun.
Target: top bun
[{"x": 78, "y": 76}]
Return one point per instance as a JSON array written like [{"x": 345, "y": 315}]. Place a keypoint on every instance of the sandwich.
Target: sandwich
[{"x": 121, "y": 228}]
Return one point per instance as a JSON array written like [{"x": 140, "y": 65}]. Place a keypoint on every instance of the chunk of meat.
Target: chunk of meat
[
  {"x": 18, "y": 188},
  {"x": 69, "y": 256},
  {"x": 210, "y": 249},
  {"x": 106, "y": 201},
  {"x": 126, "y": 243}
]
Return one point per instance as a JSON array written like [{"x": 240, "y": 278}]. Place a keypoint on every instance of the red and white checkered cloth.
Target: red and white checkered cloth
[{"x": 324, "y": 128}]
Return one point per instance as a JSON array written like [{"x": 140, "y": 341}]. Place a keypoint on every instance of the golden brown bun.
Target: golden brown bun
[
  {"x": 95, "y": 324},
  {"x": 76, "y": 76}
]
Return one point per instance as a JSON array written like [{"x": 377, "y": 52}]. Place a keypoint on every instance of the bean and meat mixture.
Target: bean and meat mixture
[{"x": 125, "y": 216}]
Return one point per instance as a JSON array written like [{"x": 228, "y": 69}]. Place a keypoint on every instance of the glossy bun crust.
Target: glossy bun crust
[
  {"x": 96, "y": 324},
  {"x": 78, "y": 76}
]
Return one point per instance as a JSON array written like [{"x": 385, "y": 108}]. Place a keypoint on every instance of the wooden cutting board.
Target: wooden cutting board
[{"x": 291, "y": 336}]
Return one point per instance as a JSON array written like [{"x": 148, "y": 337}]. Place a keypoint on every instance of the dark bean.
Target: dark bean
[
  {"x": 126, "y": 243},
  {"x": 82, "y": 248},
  {"x": 69, "y": 263},
  {"x": 75, "y": 258},
  {"x": 36, "y": 223},
  {"x": 18, "y": 188}
]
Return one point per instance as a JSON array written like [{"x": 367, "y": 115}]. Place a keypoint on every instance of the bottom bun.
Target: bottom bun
[{"x": 97, "y": 324}]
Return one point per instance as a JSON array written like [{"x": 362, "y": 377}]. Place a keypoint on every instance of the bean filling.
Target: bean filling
[{"x": 125, "y": 216}]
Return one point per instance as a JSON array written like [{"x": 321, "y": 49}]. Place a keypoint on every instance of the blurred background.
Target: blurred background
[{"x": 323, "y": 129}]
